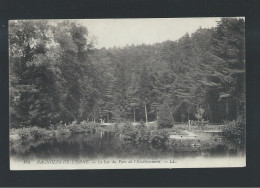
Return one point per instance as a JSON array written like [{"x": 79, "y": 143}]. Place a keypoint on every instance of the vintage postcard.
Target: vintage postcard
[{"x": 127, "y": 93}]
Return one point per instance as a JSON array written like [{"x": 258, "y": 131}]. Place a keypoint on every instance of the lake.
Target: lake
[{"x": 109, "y": 145}]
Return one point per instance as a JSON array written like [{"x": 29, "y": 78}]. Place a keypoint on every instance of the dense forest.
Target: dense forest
[{"x": 57, "y": 75}]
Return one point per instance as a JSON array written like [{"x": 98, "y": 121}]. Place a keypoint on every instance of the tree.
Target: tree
[
  {"x": 33, "y": 93},
  {"x": 77, "y": 74},
  {"x": 145, "y": 89},
  {"x": 199, "y": 114},
  {"x": 56, "y": 74},
  {"x": 165, "y": 116},
  {"x": 119, "y": 89},
  {"x": 229, "y": 51}
]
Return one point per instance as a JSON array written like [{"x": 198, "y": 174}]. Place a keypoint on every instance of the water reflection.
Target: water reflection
[{"x": 107, "y": 144}]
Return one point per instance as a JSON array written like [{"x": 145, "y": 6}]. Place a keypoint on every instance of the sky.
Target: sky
[{"x": 121, "y": 32}]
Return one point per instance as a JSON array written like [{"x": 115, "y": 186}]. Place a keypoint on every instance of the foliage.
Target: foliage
[
  {"x": 74, "y": 128},
  {"x": 129, "y": 134},
  {"x": 24, "y": 133},
  {"x": 82, "y": 127},
  {"x": 62, "y": 130},
  {"x": 57, "y": 75},
  {"x": 45, "y": 79},
  {"x": 37, "y": 133},
  {"x": 158, "y": 139},
  {"x": 144, "y": 138},
  {"x": 32, "y": 133},
  {"x": 235, "y": 132},
  {"x": 199, "y": 114},
  {"x": 165, "y": 117}
]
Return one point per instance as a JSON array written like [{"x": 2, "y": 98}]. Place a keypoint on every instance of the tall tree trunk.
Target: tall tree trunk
[
  {"x": 227, "y": 109},
  {"x": 146, "y": 120},
  {"x": 134, "y": 114},
  {"x": 188, "y": 120},
  {"x": 210, "y": 113},
  {"x": 237, "y": 105},
  {"x": 107, "y": 117}
]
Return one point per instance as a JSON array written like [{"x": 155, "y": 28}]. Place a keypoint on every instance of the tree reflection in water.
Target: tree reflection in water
[{"x": 105, "y": 145}]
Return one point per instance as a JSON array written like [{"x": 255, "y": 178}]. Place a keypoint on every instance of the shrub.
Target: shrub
[
  {"x": 142, "y": 136},
  {"x": 89, "y": 127},
  {"x": 159, "y": 139},
  {"x": 37, "y": 132},
  {"x": 24, "y": 133},
  {"x": 235, "y": 132},
  {"x": 75, "y": 128},
  {"x": 12, "y": 131},
  {"x": 165, "y": 117},
  {"x": 32, "y": 133},
  {"x": 129, "y": 134},
  {"x": 63, "y": 130},
  {"x": 199, "y": 113}
]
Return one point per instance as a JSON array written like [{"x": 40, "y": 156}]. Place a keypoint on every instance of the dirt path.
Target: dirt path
[{"x": 190, "y": 134}]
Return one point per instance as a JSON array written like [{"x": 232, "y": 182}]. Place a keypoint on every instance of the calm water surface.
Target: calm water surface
[{"x": 106, "y": 145}]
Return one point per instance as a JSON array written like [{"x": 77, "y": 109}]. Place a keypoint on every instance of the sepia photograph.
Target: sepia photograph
[{"x": 127, "y": 93}]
